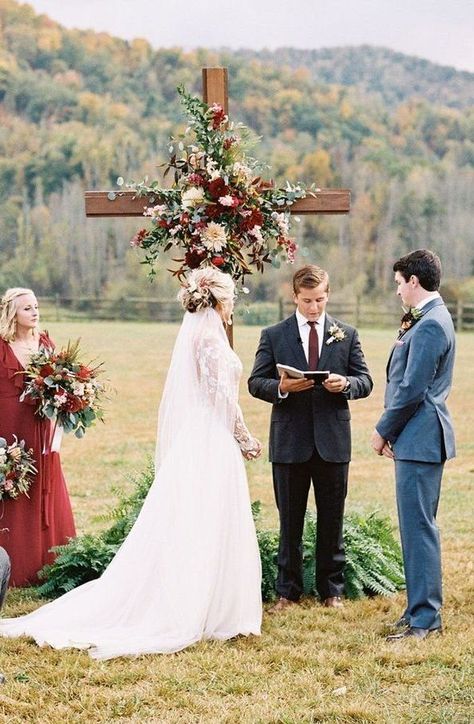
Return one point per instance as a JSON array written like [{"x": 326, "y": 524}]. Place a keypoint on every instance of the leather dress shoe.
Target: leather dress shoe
[
  {"x": 333, "y": 602},
  {"x": 413, "y": 632},
  {"x": 400, "y": 625},
  {"x": 282, "y": 604}
]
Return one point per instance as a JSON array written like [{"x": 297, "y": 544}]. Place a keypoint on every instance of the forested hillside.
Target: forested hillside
[{"x": 78, "y": 109}]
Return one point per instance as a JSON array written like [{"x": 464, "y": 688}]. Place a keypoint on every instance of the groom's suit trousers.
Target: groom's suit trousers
[{"x": 418, "y": 487}]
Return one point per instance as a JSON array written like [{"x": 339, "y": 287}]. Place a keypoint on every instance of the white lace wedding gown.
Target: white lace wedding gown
[{"x": 190, "y": 567}]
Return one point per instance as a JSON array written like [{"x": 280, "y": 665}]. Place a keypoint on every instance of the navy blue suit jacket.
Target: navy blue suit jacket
[
  {"x": 315, "y": 418},
  {"x": 416, "y": 420}
]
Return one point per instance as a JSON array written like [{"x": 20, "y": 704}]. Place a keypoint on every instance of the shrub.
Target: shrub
[{"x": 373, "y": 556}]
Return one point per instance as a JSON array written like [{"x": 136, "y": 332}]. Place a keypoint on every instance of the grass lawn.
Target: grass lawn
[{"x": 310, "y": 664}]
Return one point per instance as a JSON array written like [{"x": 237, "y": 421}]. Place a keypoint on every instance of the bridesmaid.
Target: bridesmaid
[{"x": 29, "y": 526}]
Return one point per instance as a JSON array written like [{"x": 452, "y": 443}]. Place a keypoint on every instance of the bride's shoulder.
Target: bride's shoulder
[{"x": 212, "y": 345}]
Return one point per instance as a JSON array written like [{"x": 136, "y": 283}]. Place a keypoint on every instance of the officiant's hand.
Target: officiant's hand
[
  {"x": 288, "y": 384},
  {"x": 335, "y": 383}
]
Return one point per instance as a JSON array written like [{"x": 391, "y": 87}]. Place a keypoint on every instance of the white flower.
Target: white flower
[
  {"x": 154, "y": 211},
  {"x": 226, "y": 200},
  {"x": 256, "y": 232},
  {"x": 78, "y": 389},
  {"x": 337, "y": 334},
  {"x": 192, "y": 197},
  {"x": 213, "y": 237},
  {"x": 243, "y": 172},
  {"x": 282, "y": 222},
  {"x": 59, "y": 400},
  {"x": 211, "y": 166}
]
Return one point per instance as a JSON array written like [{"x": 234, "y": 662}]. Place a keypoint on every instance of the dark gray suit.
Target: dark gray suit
[
  {"x": 416, "y": 422},
  {"x": 310, "y": 439},
  {"x": 4, "y": 574}
]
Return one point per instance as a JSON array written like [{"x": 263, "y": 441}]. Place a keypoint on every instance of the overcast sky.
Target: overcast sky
[{"x": 439, "y": 30}]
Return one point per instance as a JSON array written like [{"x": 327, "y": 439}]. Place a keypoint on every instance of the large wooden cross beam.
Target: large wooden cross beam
[
  {"x": 215, "y": 85},
  {"x": 215, "y": 90}
]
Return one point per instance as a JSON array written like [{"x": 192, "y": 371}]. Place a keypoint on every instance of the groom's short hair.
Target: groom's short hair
[
  {"x": 308, "y": 277},
  {"x": 422, "y": 263}
]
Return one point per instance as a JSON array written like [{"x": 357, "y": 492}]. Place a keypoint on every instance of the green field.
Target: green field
[{"x": 310, "y": 664}]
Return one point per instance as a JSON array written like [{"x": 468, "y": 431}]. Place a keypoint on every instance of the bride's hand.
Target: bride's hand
[{"x": 255, "y": 452}]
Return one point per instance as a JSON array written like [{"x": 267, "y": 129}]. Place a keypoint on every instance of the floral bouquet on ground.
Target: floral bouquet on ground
[
  {"x": 16, "y": 468},
  {"x": 67, "y": 391},
  {"x": 219, "y": 210}
]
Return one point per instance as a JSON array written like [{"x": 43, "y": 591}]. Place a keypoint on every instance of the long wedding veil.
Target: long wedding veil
[{"x": 200, "y": 387}]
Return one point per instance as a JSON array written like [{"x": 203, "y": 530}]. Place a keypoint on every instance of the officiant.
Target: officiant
[{"x": 310, "y": 436}]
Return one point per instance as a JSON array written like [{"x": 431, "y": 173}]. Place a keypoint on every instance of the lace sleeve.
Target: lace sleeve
[
  {"x": 215, "y": 381},
  {"x": 245, "y": 440},
  {"x": 218, "y": 382}
]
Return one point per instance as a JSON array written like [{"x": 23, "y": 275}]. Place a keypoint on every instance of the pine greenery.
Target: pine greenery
[{"x": 373, "y": 556}]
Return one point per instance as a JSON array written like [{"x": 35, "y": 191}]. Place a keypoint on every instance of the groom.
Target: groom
[
  {"x": 416, "y": 431},
  {"x": 310, "y": 437}
]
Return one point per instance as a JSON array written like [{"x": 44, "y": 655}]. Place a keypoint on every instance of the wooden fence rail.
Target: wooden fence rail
[{"x": 360, "y": 314}]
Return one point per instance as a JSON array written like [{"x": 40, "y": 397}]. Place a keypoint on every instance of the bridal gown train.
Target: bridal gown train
[{"x": 190, "y": 567}]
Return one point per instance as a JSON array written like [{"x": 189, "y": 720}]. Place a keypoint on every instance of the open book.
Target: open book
[{"x": 318, "y": 376}]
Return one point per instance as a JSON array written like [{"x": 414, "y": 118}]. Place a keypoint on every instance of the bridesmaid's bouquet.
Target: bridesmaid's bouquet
[
  {"x": 66, "y": 390},
  {"x": 16, "y": 468}
]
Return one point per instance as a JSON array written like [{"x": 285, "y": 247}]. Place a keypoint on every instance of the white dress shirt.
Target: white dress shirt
[
  {"x": 433, "y": 295},
  {"x": 304, "y": 329}
]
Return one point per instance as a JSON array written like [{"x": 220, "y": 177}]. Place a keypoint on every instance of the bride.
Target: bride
[{"x": 190, "y": 567}]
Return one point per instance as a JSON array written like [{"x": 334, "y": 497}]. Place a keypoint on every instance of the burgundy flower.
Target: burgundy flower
[
  {"x": 137, "y": 240},
  {"x": 46, "y": 370},
  {"x": 84, "y": 373},
  {"x": 73, "y": 403},
  {"x": 194, "y": 257},
  {"x": 218, "y": 116},
  {"x": 213, "y": 211},
  {"x": 195, "y": 179},
  {"x": 253, "y": 219},
  {"x": 218, "y": 188},
  {"x": 229, "y": 142}
]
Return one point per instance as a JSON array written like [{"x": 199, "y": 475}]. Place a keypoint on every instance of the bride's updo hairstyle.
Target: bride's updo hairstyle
[{"x": 206, "y": 287}]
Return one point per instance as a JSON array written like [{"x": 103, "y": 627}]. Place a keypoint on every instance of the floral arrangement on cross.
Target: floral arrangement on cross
[{"x": 219, "y": 211}]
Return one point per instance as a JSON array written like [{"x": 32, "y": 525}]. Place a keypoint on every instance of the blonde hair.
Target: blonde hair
[
  {"x": 8, "y": 310},
  {"x": 206, "y": 287},
  {"x": 310, "y": 276}
]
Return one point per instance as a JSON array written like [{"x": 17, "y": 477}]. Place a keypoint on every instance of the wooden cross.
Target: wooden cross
[{"x": 215, "y": 90}]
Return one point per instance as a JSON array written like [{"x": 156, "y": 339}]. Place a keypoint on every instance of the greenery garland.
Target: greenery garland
[{"x": 373, "y": 556}]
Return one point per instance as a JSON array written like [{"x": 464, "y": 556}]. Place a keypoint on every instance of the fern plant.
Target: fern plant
[{"x": 373, "y": 556}]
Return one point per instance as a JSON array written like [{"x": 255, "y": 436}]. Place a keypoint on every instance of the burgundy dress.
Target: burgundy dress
[{"x": 29, "y": 527}]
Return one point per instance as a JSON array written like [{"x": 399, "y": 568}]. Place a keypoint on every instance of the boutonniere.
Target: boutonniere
[
  {"x": 411, "y": 316},
  {"x": 336, "y": 334}
]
